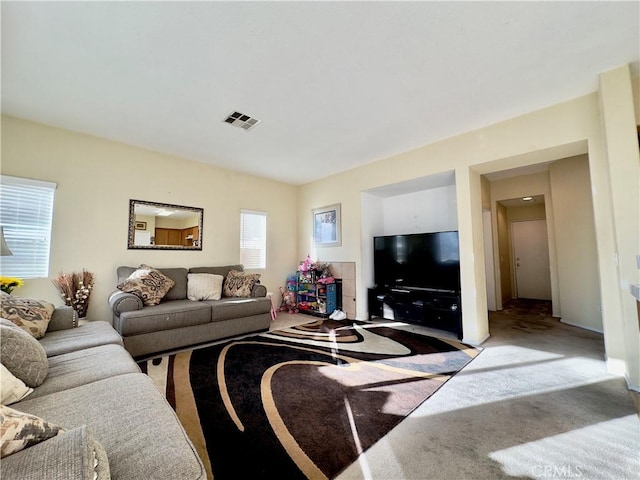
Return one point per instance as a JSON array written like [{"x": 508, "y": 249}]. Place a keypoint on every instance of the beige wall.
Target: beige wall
[
  {"x": 96, "y": 178},
  {"x": 575, "y": 242},
  {"x": 504, "y": 255},
  {"x": 528, "y": 212},
  {"x": 619, "y": 113},
  {"x": 564, "y": 130}
]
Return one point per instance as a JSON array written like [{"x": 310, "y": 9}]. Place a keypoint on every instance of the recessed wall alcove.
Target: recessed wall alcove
[{"x": 425, "y": 204}]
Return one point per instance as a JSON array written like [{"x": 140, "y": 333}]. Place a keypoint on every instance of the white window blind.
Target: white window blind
[
  {"x": 26, "y": 211},
  {"x": 253, "y": 239}
]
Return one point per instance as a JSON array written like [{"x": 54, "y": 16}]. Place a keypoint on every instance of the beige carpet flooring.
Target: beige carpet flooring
[{"x": 537, "y": 403}]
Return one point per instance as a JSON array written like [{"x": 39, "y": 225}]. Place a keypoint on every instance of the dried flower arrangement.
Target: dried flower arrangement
[
  {"x": 75, "y": 289},
  {"x": 7, "y": 284}
]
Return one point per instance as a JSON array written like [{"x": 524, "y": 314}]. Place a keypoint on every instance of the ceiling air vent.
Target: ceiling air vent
[{"x": 241, "y": 120}]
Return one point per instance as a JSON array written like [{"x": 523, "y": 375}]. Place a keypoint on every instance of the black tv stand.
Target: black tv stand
[{"x": 432, "y": 308}]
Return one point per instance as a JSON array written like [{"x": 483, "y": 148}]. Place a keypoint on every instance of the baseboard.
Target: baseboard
[
  {"x": 617, "y": 367},
  {"x": 581, "y": 326}
]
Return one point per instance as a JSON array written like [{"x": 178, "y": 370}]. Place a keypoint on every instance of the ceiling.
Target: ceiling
[
  {"x": 334, "y": 84},
  {"x": 520, "y": 202}
]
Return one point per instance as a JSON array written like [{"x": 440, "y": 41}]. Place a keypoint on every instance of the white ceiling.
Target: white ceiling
[{"x": 335, "y": 84}]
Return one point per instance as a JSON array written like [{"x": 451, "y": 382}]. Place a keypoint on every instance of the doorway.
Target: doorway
[{"x": 523, "y": 249}]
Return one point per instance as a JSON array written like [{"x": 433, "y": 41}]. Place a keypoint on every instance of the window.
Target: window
[
  {"x": 26, "y": 211},
  {"x": 253, "y": 239}
]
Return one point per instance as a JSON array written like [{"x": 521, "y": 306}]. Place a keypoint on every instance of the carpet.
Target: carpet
[{"x": 303, "y": 402}]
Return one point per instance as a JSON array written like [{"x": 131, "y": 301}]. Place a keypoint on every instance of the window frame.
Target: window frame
[
  {"x": 17, "y": 208},
  {"x": 245, "y": 243}
]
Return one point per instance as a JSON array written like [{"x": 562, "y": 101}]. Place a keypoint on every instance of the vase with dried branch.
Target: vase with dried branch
[{"x": 75, "y": 289}]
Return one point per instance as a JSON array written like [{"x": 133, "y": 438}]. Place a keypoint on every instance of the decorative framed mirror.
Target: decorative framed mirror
[{"x": 162, "y": 226}]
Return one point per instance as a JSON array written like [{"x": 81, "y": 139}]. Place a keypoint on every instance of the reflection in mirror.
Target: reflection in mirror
[{"x": 163, "y": 226}]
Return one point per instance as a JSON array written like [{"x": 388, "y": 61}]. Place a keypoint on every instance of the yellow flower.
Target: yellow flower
[{"x": 7, "y": 284}]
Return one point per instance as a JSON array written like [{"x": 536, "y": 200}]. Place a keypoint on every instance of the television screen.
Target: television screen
[{"x": 420, "y": 260}]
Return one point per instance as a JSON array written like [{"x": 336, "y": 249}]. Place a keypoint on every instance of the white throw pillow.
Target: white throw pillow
[
  {"x": 12, "y": 388},
  {"x": 204, "y": 286}
]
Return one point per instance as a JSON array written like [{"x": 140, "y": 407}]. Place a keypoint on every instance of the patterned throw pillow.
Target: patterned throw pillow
[
  {"x": 32, "y": 316},
  {"x": 21, "y": 430},
  {"x": 22, "y": 354},
  {"x": 239, "y": 284},
  {"x": 149, "y": 284}
]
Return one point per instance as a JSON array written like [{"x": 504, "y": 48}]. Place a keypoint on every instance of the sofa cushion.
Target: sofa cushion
[
  {"x": 204, "y": 286},
  {"x": 12, "y": 389},
  {"x": 132, "y": 421},
  {"x": 224, "y": 270},
  {"x": 166, "y": 316},
  {"x": 31, "y": 315},
  {"x": 229, "y": 308},
  {"x": 70, "y": 456},
  {"x": 178, "y": 275},
  {"x": 239, "y": 284},
  {"x": 22, "y": 354},
  {"x": 85, "y": 366},
  {"x": 91, "y": 334},
  {"x": 20, "y": 430},
  {"x": 148, "y": 283}
]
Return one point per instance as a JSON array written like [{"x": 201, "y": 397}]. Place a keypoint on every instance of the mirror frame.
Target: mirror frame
[{"x": 130, "y": 238}]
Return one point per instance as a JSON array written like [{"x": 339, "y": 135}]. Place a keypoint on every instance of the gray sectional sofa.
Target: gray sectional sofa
[
  {"x": 178, "y": 322},
  {"x": 95, "y": 391}
]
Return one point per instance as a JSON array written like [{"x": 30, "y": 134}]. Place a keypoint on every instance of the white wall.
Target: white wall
[
  {"x": 432, "y": 210},
  {"x": 96, "y": 178}
]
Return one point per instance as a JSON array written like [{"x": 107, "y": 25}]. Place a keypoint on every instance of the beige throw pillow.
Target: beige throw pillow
[
  {"x": 204, "y": 286},
  {"x": 239, "y": 284},
  {"x": 21, "y": 430},
  {"x": 12, "y": 389},
  {"x": 149, "y": 284},
  {"x": 33, "y": 316}
]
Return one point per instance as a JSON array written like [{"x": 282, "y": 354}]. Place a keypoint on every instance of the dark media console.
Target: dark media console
[
  {"x": 432, "y": 308},
  {"x": 418, "y": 278}
]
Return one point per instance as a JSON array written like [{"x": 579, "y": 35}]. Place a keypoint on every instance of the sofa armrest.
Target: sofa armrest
[
  {"x": 258, "y": 291},
  {"x": 68, "y": 456},
  {"x": 124, "y": 302},
  {"x": 63, "y": 318}
]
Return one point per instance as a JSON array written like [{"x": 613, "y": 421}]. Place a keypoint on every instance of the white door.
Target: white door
[{"x": 531, "y": 259}]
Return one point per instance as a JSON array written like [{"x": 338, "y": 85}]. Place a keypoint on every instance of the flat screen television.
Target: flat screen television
[{"x": 419, "y": 260}]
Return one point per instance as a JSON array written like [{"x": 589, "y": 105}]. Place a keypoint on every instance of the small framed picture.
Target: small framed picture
[
  {"x": 326, "y": 226},
  {"x": 140, "y": 225}
]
